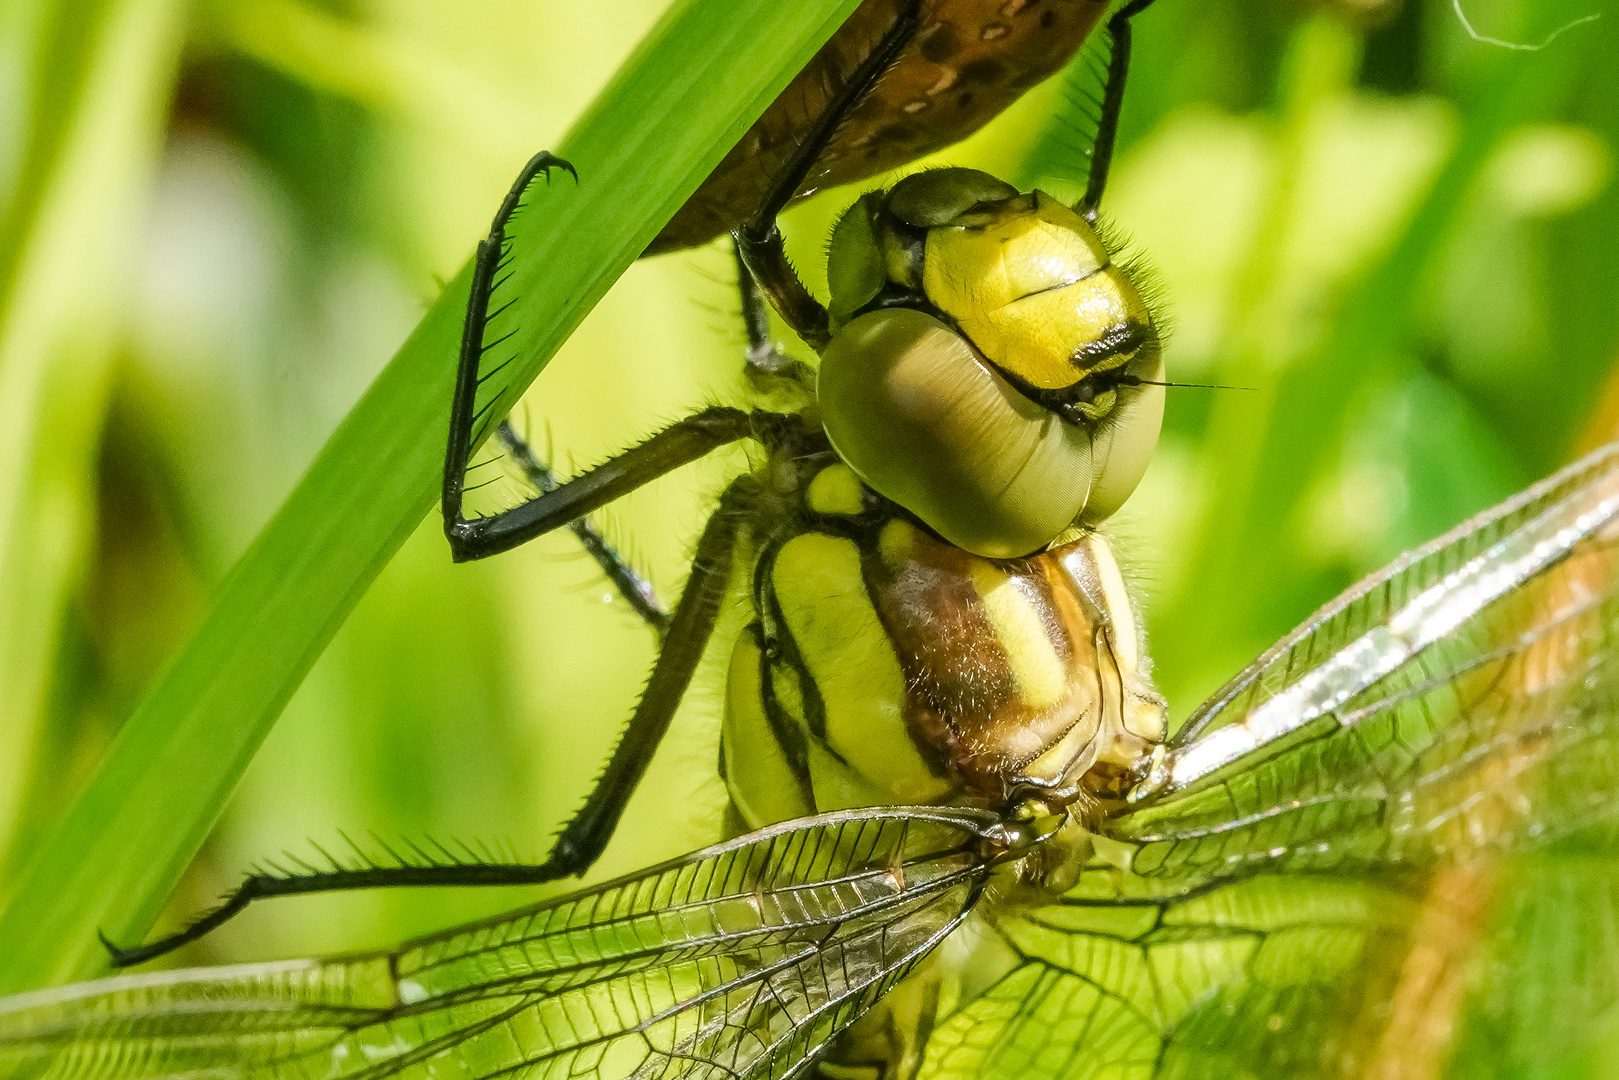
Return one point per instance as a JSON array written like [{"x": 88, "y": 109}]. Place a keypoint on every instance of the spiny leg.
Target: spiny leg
[
  {"x": 1107, "y": 124},
  {"x": 586, "y": 834},
  {"x": 763, "y": 356},
  {"x": 464, "y": 414},
  {"x": 636, "y": 590},
  {"x": 759, "y": 239},
  {"x": 689, "y": 628},
  {"x": 678, "y": 444},
  {"x": 766, "y": 365}
]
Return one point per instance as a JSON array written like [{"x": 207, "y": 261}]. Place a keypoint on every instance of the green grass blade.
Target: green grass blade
[
  {"x": 92, "y": 83},
  {"x": 686, "y": 95}
]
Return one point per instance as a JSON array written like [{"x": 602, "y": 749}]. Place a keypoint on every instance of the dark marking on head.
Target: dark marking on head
[{"x": 1125, "y": 337}]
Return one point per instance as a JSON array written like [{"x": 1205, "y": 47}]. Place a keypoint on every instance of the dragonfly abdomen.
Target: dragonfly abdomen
[{"x": 969, "y": 60}]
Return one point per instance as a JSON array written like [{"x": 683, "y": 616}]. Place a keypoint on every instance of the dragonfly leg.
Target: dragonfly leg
[
  {"x": 561, "y": 504},
  {"x": 678, "y": 444},
  {"x": 465, "y": 416},
  {"x": 1107, "y": 124},
  {"x": 766, "y": 364},
  {"x": 759, "y": 238},
  {"x": 586, "y": 834},
  {"x": 636, "y": 590}
]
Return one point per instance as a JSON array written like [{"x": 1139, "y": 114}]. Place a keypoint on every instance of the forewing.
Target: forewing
[
  {"x": 1384, "y": 850},
  {"x": 738, "y": 961},
  {"x": 1460, "y": 701}
]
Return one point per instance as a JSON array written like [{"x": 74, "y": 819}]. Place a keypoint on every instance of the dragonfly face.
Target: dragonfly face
[{"x": 968, "y": 319}]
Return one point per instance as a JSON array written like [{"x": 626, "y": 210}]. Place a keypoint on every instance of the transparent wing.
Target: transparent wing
[
  {"x": 738, "y": 961},
  {"x": 1493, "y": 968},
  {"x": 1386, "y": 849},
  {"x": 1461, "y": 699}
]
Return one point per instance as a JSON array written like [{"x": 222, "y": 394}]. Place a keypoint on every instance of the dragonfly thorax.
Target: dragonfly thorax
[
  {"x": 887, "y": 666},
  {"x": 991, "y": 368}
]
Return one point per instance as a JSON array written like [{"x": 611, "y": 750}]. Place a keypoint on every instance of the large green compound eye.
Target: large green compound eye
[
  {"x": 1123, "y": 443},
  {"x": 924, "y": 420},
  {"x": 854, "y": 263},
  {"x": 940, "y": 196}
]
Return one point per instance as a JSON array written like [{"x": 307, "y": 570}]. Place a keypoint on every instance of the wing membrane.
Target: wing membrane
[
  {"x": 741, "y": 960},
  {"x": 1459, "y": 701}
]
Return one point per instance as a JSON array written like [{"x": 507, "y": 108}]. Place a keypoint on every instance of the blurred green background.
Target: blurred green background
[{"x": 214, "y": 231}]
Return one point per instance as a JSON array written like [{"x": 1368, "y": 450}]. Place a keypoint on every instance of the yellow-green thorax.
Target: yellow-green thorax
[{"x": 886, "y": 666}]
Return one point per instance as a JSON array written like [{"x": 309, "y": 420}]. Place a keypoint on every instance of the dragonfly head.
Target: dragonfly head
[{"x": 991, "y": 368}]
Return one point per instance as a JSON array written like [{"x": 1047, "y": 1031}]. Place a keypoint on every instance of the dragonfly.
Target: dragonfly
[{"x": 1021, "y": 874}]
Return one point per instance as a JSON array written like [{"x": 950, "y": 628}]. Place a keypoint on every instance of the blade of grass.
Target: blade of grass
[
  {"x": 686, "y": 95},
  {"x": 96, "y": 88}
]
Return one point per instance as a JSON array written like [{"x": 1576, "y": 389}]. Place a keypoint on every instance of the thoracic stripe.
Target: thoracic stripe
[
  {"x": 758, "y": 751},
  {"x": 818, "y": 583},
  {"x": 1025, "y": 638}
]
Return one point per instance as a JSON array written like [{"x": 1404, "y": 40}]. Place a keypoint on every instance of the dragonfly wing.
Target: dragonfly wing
[
  {"x": 1459, "y": 702},
  {"x": 1122, "y": 981},
  {"x": 1386, "y": 849},
  {"x": 1500, "y": 967},
  {"x": 742, "y": 960}
]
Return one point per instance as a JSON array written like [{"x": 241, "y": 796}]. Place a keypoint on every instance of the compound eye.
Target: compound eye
[
  {"x": 923, "y": 419},
  {"x": 854, "y": 264},
  {"x": 1123, "y": 442},
  {"x": 940, "y": 196}
]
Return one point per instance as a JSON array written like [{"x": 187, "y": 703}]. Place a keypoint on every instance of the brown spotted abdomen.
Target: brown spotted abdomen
[{"x": 970, "y": 60}]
